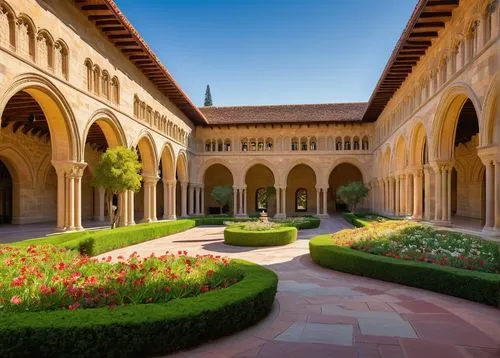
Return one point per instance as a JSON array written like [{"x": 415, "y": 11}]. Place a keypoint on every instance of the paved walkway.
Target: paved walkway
[{"x": 324, "y": 313}]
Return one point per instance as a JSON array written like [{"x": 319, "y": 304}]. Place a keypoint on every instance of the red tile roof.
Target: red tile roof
[{"x": 289, "y": 113}]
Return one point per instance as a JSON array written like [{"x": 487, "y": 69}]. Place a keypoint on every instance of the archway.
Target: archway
[
  {"x": 182, "y": 179},
  {"x": 145, "y": 199},
  {"x": 165, "y": 186},
  {"x": 401, "y": 179},
  {"x": 301, "y": 196},
  {"x": 217, "y": 175},
  {"x": 419, "y": 161},
  {"x": 259, "y": 177},
  {"x": 5, "y": 195},
  {"x": 342, "y": 174},
  {"x": 457, "y": 141}
]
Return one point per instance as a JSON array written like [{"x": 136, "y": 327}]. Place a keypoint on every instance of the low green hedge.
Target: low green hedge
[
  {"x": 475, "y": 286},
  {"x": 236, "y": 235},
  {"x": 141, "y": 330},
  {"x": 95, "y": 242},
  {"x": 219, "y": 220},
  {"x": 353, "y": 219},
  {"x": 308, "y": 222}
]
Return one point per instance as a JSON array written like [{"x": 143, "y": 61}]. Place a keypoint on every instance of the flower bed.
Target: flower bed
[
  {"x": 58, "y": 303},
  {"x": 41, "y": 278},
  {"x": 258, "y": 234}
]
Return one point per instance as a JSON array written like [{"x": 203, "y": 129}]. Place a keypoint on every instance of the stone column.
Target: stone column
[
  {"x": 131, "y": 212},
  {"x": 184, "y": 186},
  {"x": 444, "y": 194},
  {"x": 278, "y": 201},
  {"x": 392, "y": 207},
  {"x": 197, "y": 200},
  {"x": 318, "y": 203},
  {"x": 417, "y": 194},
  {"x": 283, "y": 202},
  {"x": 240, "y": 211},
  {"x": 146, "y": 205},
  {"x": 123, "y": 208},
  {"x": 497, "y": 196},
  {"x": 154, "y": 182},
  {"x": 325, "y": 201},
  {"x": 166, "y": 196},
  {"x": 398, "y": 193},
  {"x": 403, "y": 195},
  {"x": 102, "y": 200},
  {"x": 490, "y": 196},
  {"x": 191, "y": 199},
  {"x": 202, "y": 199},
  {"x": 437, "y": 194},
  {"x": 245, "y": 212},
  {"x": 172, "y": 215},
  {"x": 235, "y": 200},
  {"x": 409, "y": 195},
  {"x": 427, "y": 193}
]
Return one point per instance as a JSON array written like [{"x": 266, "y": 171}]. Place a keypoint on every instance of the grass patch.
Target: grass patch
[{"x": 275, "y": 236}]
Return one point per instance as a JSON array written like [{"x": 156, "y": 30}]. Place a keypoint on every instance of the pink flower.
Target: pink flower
[{"x": 16, "y": 300}]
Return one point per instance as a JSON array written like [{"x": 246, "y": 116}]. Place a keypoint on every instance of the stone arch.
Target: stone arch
[
  {"x": 385, "y": 168},
  {"x": 47, "y": 61},
  {"x": 349, "y": 160},
  {"x": 62, "y": 125},
  {"x": 264, "y": 162},
  {"x": 110, "y": 126},
  {"x": 418, "y": 139},
  {"x": 27, "y": 49},
  {"x": 182, "y": 167},
  {"x": 446, "y": 119},
  {"x": 147, "y": 151},
  {"x": 297, "y": 162},
  {"x": 399, "y": 157},
  {"x": 168, "y": 162},
  {"x": 217, "y": 173},
  {"x": 8, "y": 26},
  {"x": 491, "y": 127},
  {"x": 301, "y": 178},
  {"x": 211, "y": 162},
  {"x": 348, "y": 171}
]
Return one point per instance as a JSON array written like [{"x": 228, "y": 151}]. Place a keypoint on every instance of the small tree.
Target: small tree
[
  {"x": 208, "y": 97},
  {"x": 352, "y": 193},
  {"x": 222, "y": 195},
  {"x": 117, "y": 172}
]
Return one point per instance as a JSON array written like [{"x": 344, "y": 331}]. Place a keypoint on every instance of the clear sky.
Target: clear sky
[{"x": 272, "y": 51}]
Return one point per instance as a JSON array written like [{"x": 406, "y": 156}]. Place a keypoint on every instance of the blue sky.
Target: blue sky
[{"x": 272, "y": 51}]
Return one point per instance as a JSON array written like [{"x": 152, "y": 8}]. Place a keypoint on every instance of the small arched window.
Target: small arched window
[
  {"x": 97, "y": 79},
  {"x": 227, "y": 145},
  {"x": 89, "y": 66},
  {"x": 260, "y": 145},
  {"x": 312, "y": 144},
  {"x": 261, "y": 199},
  {"x": 244, "y": 145},
  {"x": 7, "y": 27},
  {"x": 220, "y": 145},
  {"x": 61, "y": 63},
  {"x": 355, "y": 143},
  {"x": 213, "y": 146},
  {"x": 364, "y": 143},
  {"x": 338, "y": 143},
  {"x": 105, "y": 84},
  {"x": 303, "y": 143},
  {"x": 45, "y": 49},
  {"x": 207, "y": 146},
  {"x": 295, "y": 144},
  {"x": 26, "y": 37},
  {"x": 347, "y": 143},
  {"x": 253, "y": 145},
  {"x": 115, "y": 90},
  {"x": 269, "y": 144},
  {"x": 301, "y": 200}
]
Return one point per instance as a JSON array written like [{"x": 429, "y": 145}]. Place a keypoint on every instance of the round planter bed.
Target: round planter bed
[
  {"x": 472, "y": 285},
  {"x": 143, "y": 329},
  {"x": 238, "y": 236}
]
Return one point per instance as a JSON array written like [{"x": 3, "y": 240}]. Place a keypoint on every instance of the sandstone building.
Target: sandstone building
[{"x": 77, "y": 78}]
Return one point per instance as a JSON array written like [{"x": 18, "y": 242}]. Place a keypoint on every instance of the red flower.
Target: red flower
[
  {"x": 168, "y": 289},
  {"x": 74, "y": 306},
  {"x": 204, "y": 288},
  {"x": 61, "y": 266},
  {"x": 18, "y": 281},
  {"x": 16, "y": 300},
  {"x": 210, "y": 273}
]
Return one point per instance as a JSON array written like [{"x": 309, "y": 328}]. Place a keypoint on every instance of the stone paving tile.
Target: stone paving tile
[
  {"x": 338, "y": 334},
  {"x": 417, "y": 349},
  {"x": 379, "y": 307},
  {"x": 321, "y": 318},
  {"x": 387, "y": 351},
  {"x": 301, "y": 350},
  {"x": 337, "y": 310},
  {"x": 386, "y": 327},
  {"x": 438, "y": 317},
  {"x": 418, "y": 306},
  {"x": 355, "y": 306},
  {"x": 480, "y": 353}
]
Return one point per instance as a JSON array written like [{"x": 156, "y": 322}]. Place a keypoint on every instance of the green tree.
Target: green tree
[
  {"x": 352, "y": 193},
  {"x": 118, "y": 171},
  {"x": 208, "y": 97},
  {"x": 222, "y": 195}
]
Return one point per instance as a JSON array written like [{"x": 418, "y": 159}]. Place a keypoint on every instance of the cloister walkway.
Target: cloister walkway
[{"x": 324, "y": 313}]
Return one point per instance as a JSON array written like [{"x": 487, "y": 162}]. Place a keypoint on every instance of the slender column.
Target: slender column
[
  {"x": 146, "y": 205},
  {"x": 123, "y": 208},
  {"x": 409, "y": 195},
  {"x": 71, "y": 202},
  {"x": 391, "y": 196},
  {"x": 403, "y": 195},
  {"x": 437, "y": 194},
  {"x": 325, "y": 201},
  {"x": 184, "y": 186},
  {"x": 490, "y": 197},
  {"x": 245, "y": 201},
  {"x": 427, "y": 193},
  {"x": 191, "y": 199},
  {"x": 497, "y": 196},
  {"x": 152, "y": 193},
  {"x": 240, "y": 212},
  {"x": 202, "y": 198},
  {"x": 172, "y": 215},
  {"x": 61, "y": 197},
  {"x": 102, "y": 193},
  {"x": 235, "y": 200},
  {"x": 197, "y": 200},
  {"x": 417, "y": 194},
  {"x": 131, "y": 212},
  {"x": 397, "y": 203},
  {"x": 278, "y": 201},
  {"x": 283, "y": 201},
  {"x": 166, "y": 195},
  {"x": 444, "y": 194},
  {"x": 318, "y": 204},
  {"x": 448, "y": 192}
]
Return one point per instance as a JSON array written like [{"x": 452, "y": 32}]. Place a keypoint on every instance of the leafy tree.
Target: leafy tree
[
  {"x": 118, "y": 171},
  {"x": 352, "y": 193},
  {"x": 208, "y": 97},
  {"x": 222, "y": 195}
]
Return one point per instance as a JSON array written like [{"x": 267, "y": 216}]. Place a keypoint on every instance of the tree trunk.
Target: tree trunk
[{"x": 220, "y": 209}]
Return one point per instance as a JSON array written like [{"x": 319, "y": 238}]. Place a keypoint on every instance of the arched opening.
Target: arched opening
[
  {"x": 144, "y": 200},
  {"x": 164, "y": 194},
  {"x": 257, "y": 177},
  {"x": 217, "y": 175},
  {"x": 5, "y": 195},
  {"x": 181, "y": 186},
  {"x": 342, "y": 174},
  {"x": 301, "y": 191}
]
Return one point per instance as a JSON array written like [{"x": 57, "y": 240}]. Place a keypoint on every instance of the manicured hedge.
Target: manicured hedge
[
  {"x": 353, "y": 219},
  {"x": 95, "y": 242},
  {"x": 471, "y": 285},
  {"x": 236, "y": 235},
  {"x": 219, "y": 220},
  {"x": 141, "y": 330},
  {"x": 309, "y": 222}
]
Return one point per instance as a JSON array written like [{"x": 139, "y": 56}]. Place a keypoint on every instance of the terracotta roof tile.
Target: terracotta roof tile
[{"x": 299, "y": 113}]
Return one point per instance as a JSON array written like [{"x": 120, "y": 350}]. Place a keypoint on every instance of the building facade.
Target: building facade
[{"x": 77, "y": 78}]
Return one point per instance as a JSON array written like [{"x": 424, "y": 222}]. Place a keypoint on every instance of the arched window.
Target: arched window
[
  {"x": 213, "y": 147},
  {"x": 260, "y": 145},
  {"x": 355, "y": 143},
  {"x": 312, "y": 144},
  {"x": 338, "y": 143},
  {"x": 115, "y": 90},
  {"x": 244, "y": 145},
  {"x": 269, "y": 144},
  {"x": 105, "y": 84},
  {"x": 347, "y": 143},
  {"x": 303, "y": 143},
  {"x": 261, "y": 199},
  {"x": 7, "y": 28},
  {"x": 220, "y": 145},
  {"x": 227, "y": 145},
  {"x": 364, "y": 143},
  {"x": 301, "y": 200},
  {"x": 253, "y": 145},
  {"x": 26, "y": 37},
  {"x": 89, "y": 66},
  {"x": 295, "y": 144},
  {"x": 96, "y": 79},
  {"x": 45, "y": 50},
  {"x": 61, "y": 63},
  {"x": 207, "y": 146}
]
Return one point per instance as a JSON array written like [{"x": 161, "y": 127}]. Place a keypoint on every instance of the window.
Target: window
[
  {"x": 261, "y": 145},
  {"x": 312, "y": 144},
  {"x": 219, "y": 145},
  {"x": 115, "y": 90},
  {"x": 88, "y": 66},
  {"x": 338, "y": 143},
  {"x": 261, "y": 199},
  {"x": 347, "y": 143},
  {"x": 212, "y": 147},
  {"x": 355, "y": 143},
  {"x": 97, "y": 79},
  {"x": 253, "y": 145},
  {"x": 105, "y": 84},
  {"x": 295, "y": 144},
  {"x": 269, "y": 144},
  {"x": 364, "y": 144},
  {"x": 227, "y": 145},
  {"x": 207, "y": 146},
  {"x": 244, "y": 145},
  {"x": 303, "y": 143},
  {"x": 301, "y": 200}
]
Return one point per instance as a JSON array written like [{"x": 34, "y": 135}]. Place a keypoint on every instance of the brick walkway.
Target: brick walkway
[{"x": 324, "y": 313}]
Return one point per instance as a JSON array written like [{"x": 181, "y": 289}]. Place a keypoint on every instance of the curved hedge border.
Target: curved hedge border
[
  {"x": 475, "y": 286},
  {"x": 141, "y": 330},
  {"x": 235, "y": 235}
]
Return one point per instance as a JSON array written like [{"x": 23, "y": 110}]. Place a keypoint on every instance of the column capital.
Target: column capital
[
  {"x": 150, "y": 179},
  {"x": 70, "y": 168},
  {"x": 184, "y": 184},
  {"x": 439, "y": 166}
]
